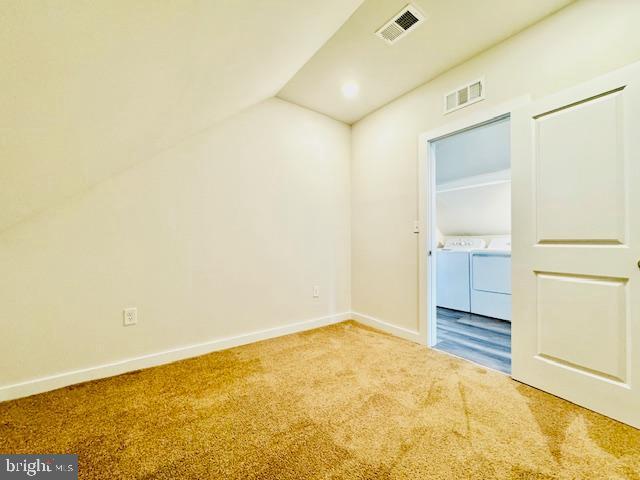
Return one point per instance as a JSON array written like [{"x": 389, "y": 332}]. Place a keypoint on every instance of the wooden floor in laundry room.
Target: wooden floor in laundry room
[{"x": 483, "y": 340}]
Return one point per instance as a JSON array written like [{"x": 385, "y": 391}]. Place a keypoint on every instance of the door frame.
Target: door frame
[{"x": 426, "y": 205}]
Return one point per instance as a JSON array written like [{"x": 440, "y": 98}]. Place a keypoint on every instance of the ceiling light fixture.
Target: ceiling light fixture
[{"x": 350, "y": 89}]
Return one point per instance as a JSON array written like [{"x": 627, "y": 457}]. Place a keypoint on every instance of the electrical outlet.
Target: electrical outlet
[
  {"x": 129, "y": 316},
  {"x": 316, "y": 292}
]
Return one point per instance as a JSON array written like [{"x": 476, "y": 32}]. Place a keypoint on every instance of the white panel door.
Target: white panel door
[{"x": 576, "y": 244}]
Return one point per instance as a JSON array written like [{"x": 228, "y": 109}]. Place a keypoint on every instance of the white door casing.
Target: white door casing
[
  {"x": 427, "y": 238},
  {"x": 576, "y": 244}
]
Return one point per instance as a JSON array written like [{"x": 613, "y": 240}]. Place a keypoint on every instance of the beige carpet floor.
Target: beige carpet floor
[{"x": 341, "y": 402}]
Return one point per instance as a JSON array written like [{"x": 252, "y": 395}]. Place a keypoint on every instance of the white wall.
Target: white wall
[
  {"x": 473, "y": 181},
  {"x": 91, "y": 88},
  {"x": 584, "y": 40},
  {"x": 222, "y": 235},
  {"x": 478, "y": 211}
]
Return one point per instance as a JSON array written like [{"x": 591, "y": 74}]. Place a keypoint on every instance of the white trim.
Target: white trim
[
  {"x": 401, "y": 332},
  {"x": 426, "y": 209},
  {"x": 60, "y": 380},
  {"x": 44, "y": 384},
  {"x": 476, "y": 181}
]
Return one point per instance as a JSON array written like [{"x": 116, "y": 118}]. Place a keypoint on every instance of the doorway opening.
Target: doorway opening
[{"x": 470, "y": 225}]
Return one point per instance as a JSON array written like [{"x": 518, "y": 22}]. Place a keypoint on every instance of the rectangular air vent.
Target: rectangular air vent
[
  {"x": 405, "y": 21},
  {"x": 463, "y": 96}
]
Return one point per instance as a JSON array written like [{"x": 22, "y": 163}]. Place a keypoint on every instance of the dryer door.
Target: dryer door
[
  {"x": 491, "y": 285},
  {"x": 491, "y": 272}
]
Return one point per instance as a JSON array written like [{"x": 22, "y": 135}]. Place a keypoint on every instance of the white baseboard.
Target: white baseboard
[
  {"x": 52, "y": 382},
  {"x": 44, "y": 384},
  {"x": 401, "y": 332}
]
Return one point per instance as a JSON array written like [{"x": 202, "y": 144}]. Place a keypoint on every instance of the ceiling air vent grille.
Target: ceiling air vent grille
[
  {"x": 464, "y": 96},
  {"x": 401, "y": 24}
]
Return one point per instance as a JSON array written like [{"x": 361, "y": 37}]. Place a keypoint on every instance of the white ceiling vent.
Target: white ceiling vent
[
  {"x": 463, "y": 96},
  {"x": 405, "y": 21}
]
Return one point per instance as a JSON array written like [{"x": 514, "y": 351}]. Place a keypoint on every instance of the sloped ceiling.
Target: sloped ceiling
[
  {"x": 477, "y": 151},
  {"x": 482, "y": 210},
  {"x": 473, "y": 179},
  {"x": 89, "y": 88},
  {"x": 454, "y": 31}
]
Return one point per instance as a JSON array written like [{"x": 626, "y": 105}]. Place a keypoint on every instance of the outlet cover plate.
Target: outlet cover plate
[{"x": 129, "y": 316}]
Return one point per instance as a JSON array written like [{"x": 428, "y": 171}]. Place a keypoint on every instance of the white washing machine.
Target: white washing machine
[
  {"x": 490, "y": 279},
  {"x": 453, "y": 273}
]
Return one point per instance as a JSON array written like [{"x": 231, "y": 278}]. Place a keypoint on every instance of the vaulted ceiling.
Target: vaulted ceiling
[
  {"x": 88, "y": 89},
  {"x": 454, "y": 31}
]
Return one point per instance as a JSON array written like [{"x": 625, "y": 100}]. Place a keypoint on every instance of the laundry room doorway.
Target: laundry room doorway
[
  {"x": 470, "y": 243},
  {"x": 575, "y": 235}
]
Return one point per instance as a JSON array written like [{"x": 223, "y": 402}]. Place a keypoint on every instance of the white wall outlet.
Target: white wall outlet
[
  {"x": 316, "y": 292},
  {"x": 129, "y": 316}
]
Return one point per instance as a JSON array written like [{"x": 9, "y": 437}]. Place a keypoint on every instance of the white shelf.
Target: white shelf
[{"x": 484, "y": 180}]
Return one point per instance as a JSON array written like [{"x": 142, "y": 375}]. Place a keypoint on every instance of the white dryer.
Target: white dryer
[
  {"x": 490, "y": 280},
  {"x": 453, "y": 273}
]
